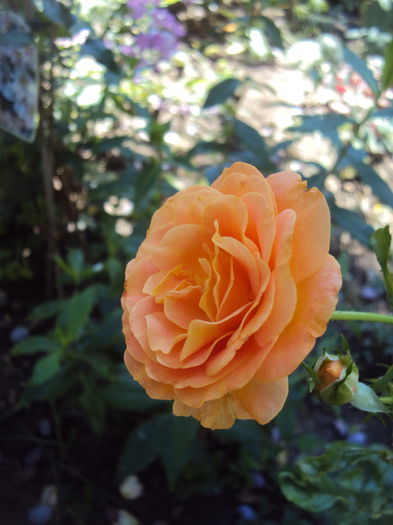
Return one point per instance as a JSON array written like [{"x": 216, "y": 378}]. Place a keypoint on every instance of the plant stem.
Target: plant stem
[
  {"x": 46, "y": 104},
  {"x": 340, "y": 315}
]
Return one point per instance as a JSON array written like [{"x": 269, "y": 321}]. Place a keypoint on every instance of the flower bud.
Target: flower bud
[{"x": 337, "y": 379}]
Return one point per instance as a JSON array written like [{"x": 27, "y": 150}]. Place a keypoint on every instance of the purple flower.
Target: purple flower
[
  {"x": 161, "y": 35},
  {"x": 164, "y": 43},
  {"x": 141, "y": 7},
  {"x": 127, "y": 50},
  {"x": 167, "y": 21}
]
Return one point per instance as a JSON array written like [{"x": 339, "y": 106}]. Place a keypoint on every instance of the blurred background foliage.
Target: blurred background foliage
[{"x": 136, "y": 100}]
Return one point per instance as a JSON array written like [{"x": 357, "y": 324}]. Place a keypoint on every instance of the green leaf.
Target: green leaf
[
  {"x": 35, "y": 345},
  {"x": 123, "y": 393},
  {"x": 58, "y": 13},
  {"x": 360, "y": 66},
  {"x": 167, "y": 436},
  {"x": 387, "y": 71},
  {"x": 366, "y": 399},
  {"x": 107, "y": 335},
  {"x": 370, "y": 177},
  {"x": 56, "y": 387},
  {"x": 272, "y": 32},
  {"x": 46, "y": 310},
  {"x": 304, "y": 497},
  {"x": 176, "y": 447},
  {"x": 250, "y": 138},
  {"x": 140, "y": 449},
  {"x": 384, "y": 113},
  {"x": 221, "y": 92},
  {"x": 61, "y": 264},
  {"x": 327, "y": 125},
  {"x": 206, "y": 146},
  {"x": 380, "y": 384},
  {"x": 352, "y": 156},
  {"x": 75, "y": 314},
  {"x": 254, "y": 439},
  {"x": 95, "y": 48},
  {"x": 45, "y": 368},
  {"x": 91, "y": 403},
  {"x": 246, "y": 432},
  {"x": 339, "y": 480},
  {"x": 381, "y": 241},
  {"x": 76, "y": 261},
  {"x": 145, "y": 182},
  {"x": 351, "y": 222}
]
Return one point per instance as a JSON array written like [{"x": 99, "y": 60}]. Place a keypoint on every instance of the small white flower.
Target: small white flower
[
  {"x": 125, "y": 518},
  {"x": 131, "y": 488},
  {"x": 49, "y": 496}
]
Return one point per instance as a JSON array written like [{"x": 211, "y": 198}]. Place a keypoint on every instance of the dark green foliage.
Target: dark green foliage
[
  {"x": 351, "y": 222},
  {"x": 221, "y": 92},
  {"x": 172, "y": 439},
  {"x": 381, "y": 243},
  {"x": 360, "y": 67},
  {"x": 344, "y": 478},
  {"x": 387, "y": 73},
  {"x": 253, "y": 142},
  {"x": 327, "y": 125}
]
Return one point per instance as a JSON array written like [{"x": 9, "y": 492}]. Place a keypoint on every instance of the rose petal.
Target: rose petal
[
  {"x": 160, "y": 283},
  {"x": 243, "y": 256},
  {"x": 317, "y": 299},
  {"x": 262, "y": 401},
  {"x": 154, "y": 389},
  {"x": 199, "y": 357},
  {"x": 185, "y": 207},
  {"x": 312, "y": 228},
  {"x": 182, "y": 306},
  {"x": 137, "y": 272},
  {"x": 199, "y": 388},
  {"x": 231, "y": 290},
  {"x": 285, "y": 290},
  {"x": 230, "y": 213},
  {"x": 145, "y": 306},
  {"x": 246, "y": 329},
  {"x": 162, "y": 335},
  {"x": 133, "y": 346},
  {"x": 207, "y": 301},
  {"x": 242, "y": 178},
  {"x": 257, "y": 400},
  {"x": 201, "y": 332},
  {"x": 217, "y": 414},
  {"x": 261, "y": 226},
  {"x": 183, "y": 245}
]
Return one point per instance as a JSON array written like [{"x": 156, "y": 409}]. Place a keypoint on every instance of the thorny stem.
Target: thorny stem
[{"x": 341, "y": 315}]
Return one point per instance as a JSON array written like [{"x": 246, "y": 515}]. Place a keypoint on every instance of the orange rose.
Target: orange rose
[{"x": 227, "y": 294}]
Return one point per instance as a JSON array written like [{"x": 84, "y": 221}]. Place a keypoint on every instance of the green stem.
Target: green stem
[{"x": 340, "y": 315}]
